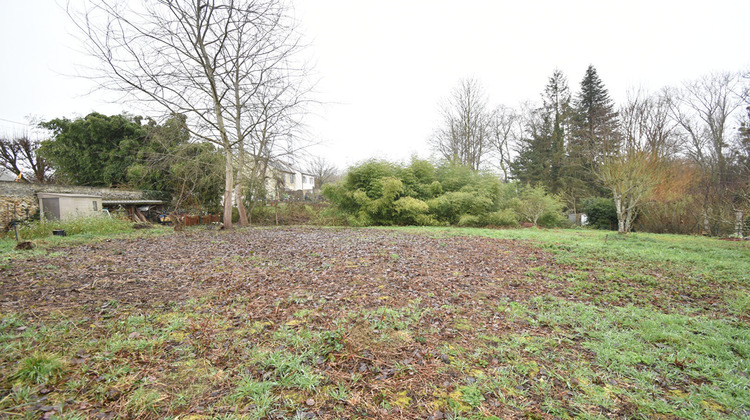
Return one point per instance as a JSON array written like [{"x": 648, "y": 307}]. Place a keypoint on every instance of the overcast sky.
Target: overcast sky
[{"x": 383, "y": 66}]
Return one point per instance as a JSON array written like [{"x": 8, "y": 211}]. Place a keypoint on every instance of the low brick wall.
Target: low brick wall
[{"x": 18, "y": 200}]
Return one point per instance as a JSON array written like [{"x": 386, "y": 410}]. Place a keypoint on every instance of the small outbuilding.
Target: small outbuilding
[
  {"x": 57, "y": 206},
  {"x": 138, "y": 210}
]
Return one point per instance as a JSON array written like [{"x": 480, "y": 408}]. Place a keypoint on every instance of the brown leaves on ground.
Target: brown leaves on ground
[
  {"x": 319, "y": 278},
  {"x": 368, "y": 268}
]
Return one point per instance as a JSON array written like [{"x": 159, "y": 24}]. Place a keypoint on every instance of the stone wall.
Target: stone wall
[
  {"x": 16, "y": 208},
  {"x": 18, "y": 200}
]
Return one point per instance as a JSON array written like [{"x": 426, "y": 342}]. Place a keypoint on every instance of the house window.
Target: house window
[
  {"x": 96, "y": 207},
  {"x": 291, "y": 178}
]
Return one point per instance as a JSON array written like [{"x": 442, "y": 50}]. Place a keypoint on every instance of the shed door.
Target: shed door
[{"x": 51, "y": 208}]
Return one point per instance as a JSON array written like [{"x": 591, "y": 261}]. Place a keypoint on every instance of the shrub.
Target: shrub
[
  {"x": 553, "y": 219},
  {"x": 503, "y": 218},
  {"x": 411, "y": 211},
  {"x": 601, "y": 213},
  {"x": 367, "y": 177},
  {"x": 534, "y": 205},
  {"x": 450, "y": 206},
  {"x": 382, "y": 193},
  {"x": 469, "y": 220}
]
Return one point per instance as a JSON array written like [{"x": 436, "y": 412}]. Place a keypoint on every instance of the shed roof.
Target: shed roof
[
  {"x": 131, "y": 202},
  {"x": 59, "y": 195}
]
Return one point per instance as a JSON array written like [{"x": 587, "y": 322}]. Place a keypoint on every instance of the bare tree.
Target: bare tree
[
  {"x": 19, "y": 155},
  {"x": 465, "y": 132},
  {"x": 206, "y": 59},
  {"x": 647, "y": 125},
  {"x": 631, "y": 176},
  {"x": 505, "y": 130},
  {"x": 704, "y": 110},
  {"x": 275, "y": 139},
  {"x": 322, "y": 170}
]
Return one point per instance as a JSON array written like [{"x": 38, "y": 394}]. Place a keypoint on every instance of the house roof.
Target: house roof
[
  {"x": 6, "y": 175},
  {"x": 285, "y": 167}
]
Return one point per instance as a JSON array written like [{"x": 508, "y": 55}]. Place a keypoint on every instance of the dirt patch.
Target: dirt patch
[
  {"x": 404, "y": 315},
  {"x": 363, "y": 267}
]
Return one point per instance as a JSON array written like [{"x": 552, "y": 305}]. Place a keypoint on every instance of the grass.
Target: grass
[
  {"x": 701, "y": 255},
  {"x": 39, "y": 369},
  {"x": 643, "y": 326},
  {"x": 78, "y": 231}
]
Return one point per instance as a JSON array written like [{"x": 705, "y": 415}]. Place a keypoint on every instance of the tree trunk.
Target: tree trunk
[
  {"x": 228, "y": 184},
  {"x": 740, "y": 216},
  {"x": 241, "y": 205},
  {"x": 621, "y": 223},
  {"x": 706, "y": 222}
]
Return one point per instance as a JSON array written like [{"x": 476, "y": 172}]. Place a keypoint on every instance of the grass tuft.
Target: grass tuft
[{"x": 39, "y": 369}]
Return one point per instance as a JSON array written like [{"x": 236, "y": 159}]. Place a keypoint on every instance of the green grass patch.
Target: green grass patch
[
  {"x": 699, "y": 365},
  {"x": 39, "y": 369},
  {"x": 80, "y": 230},
  {"x": 710, "y": 257}
]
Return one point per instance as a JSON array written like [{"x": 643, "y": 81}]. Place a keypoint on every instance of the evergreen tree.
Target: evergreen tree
[
  {"x": 595, "y": 137},
  {"x": 532, "y": 165},
  {"x": 596, "y": 121},
  {"x": 542, "y": 153},
  {"x": 557, "y": 112},
  {"x": 95, "y": 150}
]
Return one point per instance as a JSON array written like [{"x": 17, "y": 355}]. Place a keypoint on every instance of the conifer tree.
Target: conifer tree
[
  {"x": 542, "y": 153},
  {"x": 594, "y": 138},
  {"x": 596, "y": 120},
  {"x": 557, "y": 112}
]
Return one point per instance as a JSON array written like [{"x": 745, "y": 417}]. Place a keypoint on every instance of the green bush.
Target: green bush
[
  {"x": 450, "y": 206},
  {"x": 469, "y": 220},
  {"x": 502, "y": 218},
  {"x": 553, "y": 219},
  {"x": 601, "y": 213},
  {"x": 383, "y": 193},
  {"x": 367, "y": 177},
  {"x": 412, "y": 211},
  {"x": 535, "y": 205}
]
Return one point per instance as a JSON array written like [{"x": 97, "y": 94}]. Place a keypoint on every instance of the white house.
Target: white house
[{"x": 287, "y": 180}]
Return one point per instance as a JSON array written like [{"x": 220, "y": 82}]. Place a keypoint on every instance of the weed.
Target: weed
[
  {"x": 340, "y": 392},
  {"x": 143, "y": 402},
  {"x": 331, "y": 342},
  {"x": 39, "y": 369},
  {"x": 471, "y": 395}
]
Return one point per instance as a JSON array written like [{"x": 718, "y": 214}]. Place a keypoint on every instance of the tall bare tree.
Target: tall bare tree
[
  {"x": 322, "y": 170},
  {"x": 505, "y": 130},
  {"x": 647, "y": 126},
  {"x": 704, "y": 110},
  {"x": 465, "y": 130},
  {"x": 206, "y": 59},
  {"x": 19, "y": 155}
]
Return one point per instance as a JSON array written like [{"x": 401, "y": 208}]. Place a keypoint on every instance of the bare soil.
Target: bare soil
[
  {"x": 344, "y": 266},
  {"x": 330, "y": 273}
]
